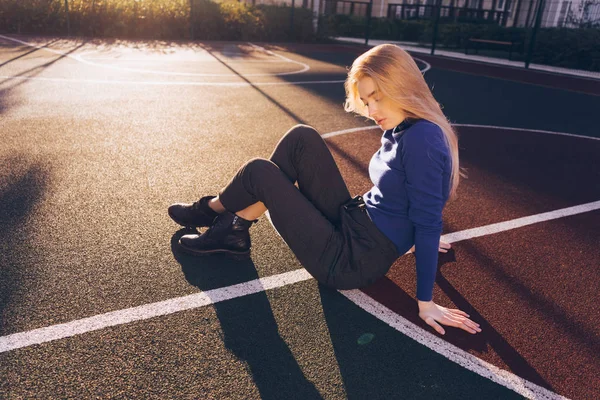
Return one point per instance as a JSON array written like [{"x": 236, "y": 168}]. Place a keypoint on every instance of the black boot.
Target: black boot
[
  {"x": 193, "y": 215},
  {"x": 228, "y": 234}
]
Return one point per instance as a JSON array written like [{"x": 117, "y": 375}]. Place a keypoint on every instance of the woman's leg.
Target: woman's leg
[
  {"x": 303, "y": 157},
  {"x": 310, "y": 235},
  {"x": 307, "y": 217}
]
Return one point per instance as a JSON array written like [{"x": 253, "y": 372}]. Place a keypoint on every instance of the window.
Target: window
[{"x": 564, "y": 10}]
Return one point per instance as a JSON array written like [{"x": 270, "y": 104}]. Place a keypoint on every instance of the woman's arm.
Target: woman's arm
[{"x": 425, "y": 159}]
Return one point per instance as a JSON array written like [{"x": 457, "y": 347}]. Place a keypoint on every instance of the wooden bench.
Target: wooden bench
[{"x": 477, "y": 42}]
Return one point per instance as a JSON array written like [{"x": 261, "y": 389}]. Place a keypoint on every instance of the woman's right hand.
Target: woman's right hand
[{"x": 432, "y": 313}]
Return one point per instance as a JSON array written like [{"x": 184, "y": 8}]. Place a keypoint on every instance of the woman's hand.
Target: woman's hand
[
  {"x": 444, "y": 247},
  {"x": 431, "y": 312}
]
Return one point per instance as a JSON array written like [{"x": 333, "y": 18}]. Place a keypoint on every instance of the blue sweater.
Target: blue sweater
[{"x": 411, "y": 177}]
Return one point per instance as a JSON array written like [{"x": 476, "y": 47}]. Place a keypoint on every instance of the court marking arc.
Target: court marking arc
[
  {"x": 79, "y": 58},
  {"x": 184, "y": 83}
]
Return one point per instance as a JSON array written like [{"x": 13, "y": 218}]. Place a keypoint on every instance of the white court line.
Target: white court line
[
  {"x": 427, "y": 65},
  {"x": 231, "y": 84},
  {"x": 466, "y": 360},
  {"x": 451, "y": 352},
  {"x": 181, "y": 60},
  {"x": 528, "y": 130},
  {"x": 164, "y": 83},
  {"x": 519, "y": 222},
  {"x": 79, "y": 57},
  {"x": 343, "y": 132},
  {"x": 120, "y": 317}
]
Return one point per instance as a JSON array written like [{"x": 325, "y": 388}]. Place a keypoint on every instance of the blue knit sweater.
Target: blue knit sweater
[{"x": 411, "y": 177}]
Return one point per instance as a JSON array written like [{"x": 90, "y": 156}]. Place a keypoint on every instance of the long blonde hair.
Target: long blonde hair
[{"x": 397, "y": 76}]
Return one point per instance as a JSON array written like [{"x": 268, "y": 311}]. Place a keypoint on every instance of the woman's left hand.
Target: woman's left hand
[
  {"x": 444, "y": 247},
  {"x": 432, "y": 313}
]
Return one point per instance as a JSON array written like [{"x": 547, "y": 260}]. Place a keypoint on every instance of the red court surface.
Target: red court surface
[
  {"x": 535, "y": 77},
  {"x": 533, "y": 289}
]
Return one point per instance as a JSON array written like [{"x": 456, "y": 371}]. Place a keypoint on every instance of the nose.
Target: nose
[{"x": 372, "y": 109}]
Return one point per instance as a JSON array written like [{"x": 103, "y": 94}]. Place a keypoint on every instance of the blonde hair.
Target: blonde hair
[{"x": 397, "y": 76}]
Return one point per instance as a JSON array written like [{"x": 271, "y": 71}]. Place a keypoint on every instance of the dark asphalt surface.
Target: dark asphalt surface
[{"x": 88, "y": 168}]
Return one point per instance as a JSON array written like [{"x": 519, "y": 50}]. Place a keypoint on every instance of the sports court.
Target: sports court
[{"x": 99, "y": 137}]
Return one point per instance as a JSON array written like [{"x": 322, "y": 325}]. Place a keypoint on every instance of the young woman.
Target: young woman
[{"x": 349, "y": 242}]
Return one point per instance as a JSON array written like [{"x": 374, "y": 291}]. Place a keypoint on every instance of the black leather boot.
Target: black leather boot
[
  {"x": 228, "y": 234},
  {"x": 193, "y": 215}
]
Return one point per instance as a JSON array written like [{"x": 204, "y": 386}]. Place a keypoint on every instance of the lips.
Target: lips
[{"x": 379, "y": 121}]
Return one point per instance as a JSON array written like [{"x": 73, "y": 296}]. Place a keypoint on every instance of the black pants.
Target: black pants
[{"x": 331, "y": 235}]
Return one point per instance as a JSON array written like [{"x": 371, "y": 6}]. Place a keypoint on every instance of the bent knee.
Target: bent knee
[
  {"x": 261, "y": 168},
  {"x": 260, "y": 163},
  {"x": 261, "y": 171},
  {"x": 303, "y": 132}
]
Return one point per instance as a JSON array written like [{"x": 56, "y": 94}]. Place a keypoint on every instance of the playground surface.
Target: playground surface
[{"x": 96, "y": 300}]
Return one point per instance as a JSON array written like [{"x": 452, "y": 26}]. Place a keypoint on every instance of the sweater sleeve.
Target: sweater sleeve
[{"x": 423, "y": 155}]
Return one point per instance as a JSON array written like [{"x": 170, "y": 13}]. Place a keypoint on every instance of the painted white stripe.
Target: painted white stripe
[
  {"x": 54, "y": 332},
  {"x": 165, "y": 83},
  {"x": 306, "y": 66},
  {"x": 466, "y": 360},
  {"x": 120, "y": 317},
  {"x": 519, "y": 222},
  {"x": 351, "y": 130},
  {"x": 451, "y": 352},
  {"x": 186, "y": 60},
  {"x": 344, "y": 131},
  {"x": 427, "y": 65},
  {"x": 35, "y": 46},
  {"x": 79, "y": 58},
  {"x": 527, "y": 130}
]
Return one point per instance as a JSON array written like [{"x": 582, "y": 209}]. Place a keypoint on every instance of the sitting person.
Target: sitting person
[{"x": 347, "y": 242}]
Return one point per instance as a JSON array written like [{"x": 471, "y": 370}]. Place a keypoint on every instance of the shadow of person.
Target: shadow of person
[
  {"x": 377, "y": 362},
  {"x": 248, "y": 325},
  {"x": 489, "y": 335},
  {"x": 23, "y": 186}
]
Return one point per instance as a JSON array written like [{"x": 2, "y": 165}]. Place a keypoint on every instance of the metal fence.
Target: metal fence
[
  {"x": 417, "y": 11},
  {"x": 346, "y": 7},
  {"x": 564, "y": 33},
  {"x": 509, "y": 13}
]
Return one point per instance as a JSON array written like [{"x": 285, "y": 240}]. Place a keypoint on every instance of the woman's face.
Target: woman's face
[{"x": 381, "y": 109}]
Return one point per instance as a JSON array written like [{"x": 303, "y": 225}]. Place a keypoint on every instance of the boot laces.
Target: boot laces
[
  {"x": 196, "y": 205},
  {"x": 218, "y": 224}
]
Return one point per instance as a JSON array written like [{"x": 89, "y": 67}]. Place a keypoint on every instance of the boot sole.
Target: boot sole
[{"x": 238, "y": 255}]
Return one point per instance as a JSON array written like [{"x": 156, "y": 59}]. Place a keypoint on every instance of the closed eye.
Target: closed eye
[
  {"x": 374, "y": 98},
  {"x": 373, "y": 93}
]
